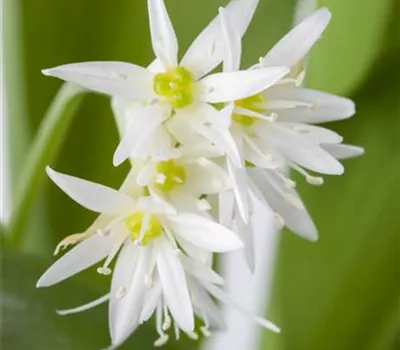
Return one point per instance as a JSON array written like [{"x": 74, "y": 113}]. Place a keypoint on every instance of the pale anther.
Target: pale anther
[
  {"x": 160, "y": 179},
  {"x": 104, "y": 271},
  {"x": 161, "y": 341},
  {"x": 206, "y": 332},
  {"x": 192, "y": 335},
  {"x": 315, "y": 180}
]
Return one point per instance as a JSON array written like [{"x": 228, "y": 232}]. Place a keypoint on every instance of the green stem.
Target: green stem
[{"x": 48, "y": 141}]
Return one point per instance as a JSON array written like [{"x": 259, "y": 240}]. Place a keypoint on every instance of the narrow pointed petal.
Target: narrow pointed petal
[
  {"x": 128, "y": 291},
  {"x": 174, "y": 285},
  {"x": 93, "y": 196},
  {"x": 303, "y": 152},
  {"x": 208, "y": 49},
  {"x": 201, "y": 271},
  {"x": 143, "y": 123},
  {"x": 206, "y": 178},
  {"x": 276, "y": 194},
  {"x": 240, "y": 189},
  {"x": 219, "y": 294},
  {"x": 85, "y": 307},
  {"x": 296, "y": 44},
  {"x": 323, "y": 107},
  {"x": 226, "y": 206},
  {"x": 120, "y": 79},
  {"x": 163, "y": 38},
  {"x": 153, "y": 297},
  {"x": 341, "y": 151},
  {"x": 204, "y": 233},
  {"x": 314, "y": 133},
  {"x": 231, "y": 86},
  {"x": 245, "y": 233},
  {"x": 84, "y": 255},
  {"x": 233, "y": 43}
]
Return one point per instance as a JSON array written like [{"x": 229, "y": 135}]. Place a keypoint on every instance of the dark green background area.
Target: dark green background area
[{"x": 341, "y": 293}]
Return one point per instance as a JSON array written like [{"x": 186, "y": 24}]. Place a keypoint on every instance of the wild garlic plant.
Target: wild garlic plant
[{"x": 206, "y": 149}]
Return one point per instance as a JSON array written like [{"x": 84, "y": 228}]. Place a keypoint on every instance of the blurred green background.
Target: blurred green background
[{"x": 341, "y": 293}]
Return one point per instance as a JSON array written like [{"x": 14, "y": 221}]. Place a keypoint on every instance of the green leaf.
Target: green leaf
[
  {"x": 350, "y": 45},
  {"x": 29, "y": 320}
]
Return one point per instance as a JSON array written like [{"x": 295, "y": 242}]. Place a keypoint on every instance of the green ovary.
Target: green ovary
[
  {"x": 134, "y": 223},
  {"x": 176, "y": 86},
  {"x": 255, "y": 103},
  {"x": 172, "y": 173}
]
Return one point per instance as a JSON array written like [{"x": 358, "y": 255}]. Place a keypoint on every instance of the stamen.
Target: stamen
[
  {"x": 161, "y": 341},
  {"x": 120, "y": 292},
  {"x": 212, "y": 49},
  {"x": 192, "y": 335},
  {"x": 104, "y": 270},
  {"x": 206, "y": 331},
  {"x": 178, "y": 179},
  {"x": 167, "y": 319},
  {"x": 159, "y": 320},
  {"x": 312, "y": 180},
  {"x": 177, "y": 331}
]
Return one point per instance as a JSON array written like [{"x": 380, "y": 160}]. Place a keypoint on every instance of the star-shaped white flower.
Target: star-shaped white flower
[
  {"x": 150, "y": 234},
  {"x": 272, "y": 131},
  {"x": 155, "y": 94}
]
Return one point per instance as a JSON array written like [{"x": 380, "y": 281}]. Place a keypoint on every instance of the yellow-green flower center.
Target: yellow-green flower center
[
  {"x": 169, "y": 176},
  {"x": 176, "y": 86},
  {"x": 134, "y": 224},
  {"x": 255, "y": 103}
]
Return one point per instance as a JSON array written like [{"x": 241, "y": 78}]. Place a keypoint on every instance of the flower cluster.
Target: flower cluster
[{"x": 207, "y": 151}]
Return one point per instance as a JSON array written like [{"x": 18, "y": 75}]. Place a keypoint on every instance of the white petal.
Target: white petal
[
  {"x": 143, "y": 123},
  {"x": 219, "y": 294},
  {"x": 84, "y": 255},
  {"x": 91, "y": 195},
  {"x": 85, "y": 307},
  {"x": 233, "y": 43},
  {"x": 174, "y": 285},
  {"x": 204, "y": 233},
  {"x": 231, "y": 86},
  {"x": 245, "y": 232},
  {"x": 296, "y": 218},
  {"x": 302, "y": 151},
  {"x": 240, "y": 189},
  {"x": 296, "y": 44},
  {"x": 205, "y": 177},
  {"x": 163, "y": 38},
  {"x": 343, "y": 151},
  {"x": 128, "y": 291},
  {"x": 112, "y": 78},
  {"x": 153, "y": 297},
  {"x": 193, "y": 251},
  {"x": 226, "y": 206},
  {"x": 201, "y": 271},
  {"x": 208, "y": 49},
  {"x": 314, "y": 133},
  {"x": 323, "y": 107}
]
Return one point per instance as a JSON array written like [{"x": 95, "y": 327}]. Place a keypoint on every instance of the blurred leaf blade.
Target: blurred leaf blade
[{"x": 350, "y": 45}]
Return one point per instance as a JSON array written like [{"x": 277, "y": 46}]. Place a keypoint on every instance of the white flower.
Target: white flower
[
  {"x": 150, "y": 234},
  {"x": 154, "y": 95},
  {"x": 204, "y": 287},
  {"x": 272, "y": 132},
  {"x": 185, "y": 181}
]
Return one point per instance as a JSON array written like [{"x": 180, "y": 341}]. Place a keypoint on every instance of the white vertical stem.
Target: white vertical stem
[{"x": 252, "y": 291}]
